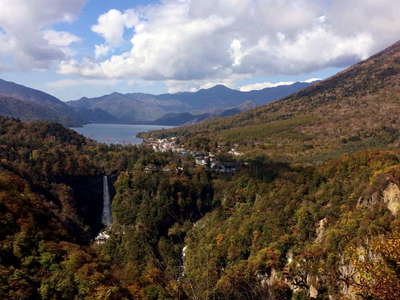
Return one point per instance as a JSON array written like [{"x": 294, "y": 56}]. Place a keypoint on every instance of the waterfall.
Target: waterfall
[
  {"x": 183, "y": 261},
  {"x": 106, "y": 204}
]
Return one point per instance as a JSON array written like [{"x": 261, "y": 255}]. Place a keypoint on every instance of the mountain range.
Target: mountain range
[
  {"x": 178, "y": 108},
  {"x": 166, "y": 109}
]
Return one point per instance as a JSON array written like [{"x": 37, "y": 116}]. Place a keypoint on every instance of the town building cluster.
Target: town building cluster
[{"x": 208, "y": 160}]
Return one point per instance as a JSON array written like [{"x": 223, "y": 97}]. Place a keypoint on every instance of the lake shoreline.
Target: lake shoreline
[{"x": 115, "y": 133}]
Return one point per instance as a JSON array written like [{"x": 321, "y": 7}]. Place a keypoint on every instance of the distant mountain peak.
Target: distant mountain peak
[
  {"x": 216, "y": 88},
  {"x": 113, "y": 94},
  {"x": 139, "y": 107},
  {"x": 219, "y": 87}
]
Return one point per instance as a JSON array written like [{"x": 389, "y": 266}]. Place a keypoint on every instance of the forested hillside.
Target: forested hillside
[
  {"x": 47, "y": 220},
  {"x": 51, "y": 205},
  {"x": 270, "y": 231},
  {"x": 28, "y": 104}
]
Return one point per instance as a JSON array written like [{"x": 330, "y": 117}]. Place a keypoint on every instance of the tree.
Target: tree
[{"x": 378, "y": 268}]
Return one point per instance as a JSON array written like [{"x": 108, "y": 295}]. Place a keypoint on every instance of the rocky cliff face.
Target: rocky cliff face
[{"x": 391, "y": 197}]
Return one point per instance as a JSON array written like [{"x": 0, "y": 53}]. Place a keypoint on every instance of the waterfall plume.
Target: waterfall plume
[{"x": 107, "y": 220}]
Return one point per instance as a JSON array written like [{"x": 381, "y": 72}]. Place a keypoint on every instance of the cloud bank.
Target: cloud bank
[
  {"x": 197, "y": 43},
  {"x": 25, "y": 34},
  {"x": 197, "y": 40},
  {"x": 263, "y": 85}
]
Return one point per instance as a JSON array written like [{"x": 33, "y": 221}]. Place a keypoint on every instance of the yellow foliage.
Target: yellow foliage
[
  {"x": 378, "y": 268},
  {"x": 219, "y": 239}
]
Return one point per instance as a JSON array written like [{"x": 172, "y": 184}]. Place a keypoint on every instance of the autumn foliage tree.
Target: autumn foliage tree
[{"x": 378, "y": 268}]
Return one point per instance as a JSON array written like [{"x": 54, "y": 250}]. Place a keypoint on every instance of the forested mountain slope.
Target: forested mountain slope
[
  {"x": 355, "y": 109},
  {"x": 41, "y": 258},
  {"x": 51, "y": 202},
  {"x": 29, "y": 104},
  {"x": 50, "y": 210},
  {"x": 271, "y": 230},
  {"x": 25, "y": 110}
]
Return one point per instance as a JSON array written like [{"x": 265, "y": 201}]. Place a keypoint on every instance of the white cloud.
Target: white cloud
[
  {"x": 175, "y": 86},
  {"x": 65, "y": 83},
  {"x": 25, "y": 26},
  {"x": 101, "y": 50},
  {"x": 263, "y": 85},
  {"x": 197, "y": 41},
  {"x": 111, "y": 26},
  {"x": 311, "y": 80},
  {"x": 60, "y": 38}
]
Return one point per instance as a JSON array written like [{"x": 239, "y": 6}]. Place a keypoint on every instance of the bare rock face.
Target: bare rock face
[
  {"x": 271, "y": 279},
  {"x": 391, "y": 197},
  {"x": 320, "y": 231},
  {"x": 369, "y": 202},
  {"x": 313, "y": 292},
  {"x": 314, "y": 283}
]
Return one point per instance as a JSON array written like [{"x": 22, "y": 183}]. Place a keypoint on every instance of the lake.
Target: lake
[{"x": 116, "y": 133}]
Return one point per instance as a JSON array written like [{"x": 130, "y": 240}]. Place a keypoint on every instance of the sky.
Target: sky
[{"x": 77, "y": 48}]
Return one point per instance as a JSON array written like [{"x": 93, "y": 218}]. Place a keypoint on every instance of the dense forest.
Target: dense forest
[
  {"x": 272, "y": 230},
  {"x": 311, "y": 211},
  {"x": 51, "y": 205}
]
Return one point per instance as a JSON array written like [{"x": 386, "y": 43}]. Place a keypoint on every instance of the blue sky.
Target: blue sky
[{"x": 76, "y": 48}]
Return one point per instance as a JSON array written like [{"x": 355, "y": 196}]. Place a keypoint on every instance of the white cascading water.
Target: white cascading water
[
  {"x": 183, "y": 261},
  {"x": 106, "y": 204}
]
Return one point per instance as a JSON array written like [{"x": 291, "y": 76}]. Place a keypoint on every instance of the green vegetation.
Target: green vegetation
[
  {"x": 267, "y": 230},
  {"x": 263, "y": 132},
  {"x": 272, "y": 230},
  {"x": 51, "y": 204},
  {"x": 40, "y": 257}
]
